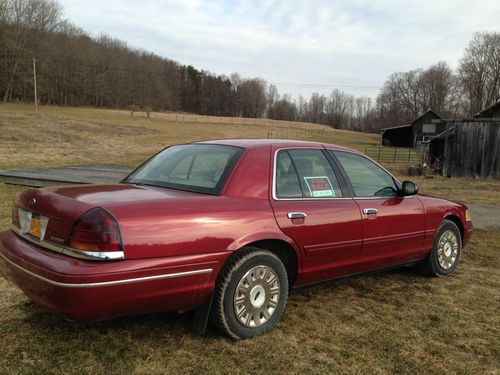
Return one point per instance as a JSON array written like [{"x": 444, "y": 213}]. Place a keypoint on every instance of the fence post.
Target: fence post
[
  {"x": 379, "y": 148},
  {"x": 394, "y": 155},
  {"x": 409, "y": 153}
]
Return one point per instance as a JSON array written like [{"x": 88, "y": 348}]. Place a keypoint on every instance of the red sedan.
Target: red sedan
[{"x": 225, "y": 228}]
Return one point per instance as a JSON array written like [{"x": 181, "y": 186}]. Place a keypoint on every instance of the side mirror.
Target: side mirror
[{"x": 409, "y": 188}]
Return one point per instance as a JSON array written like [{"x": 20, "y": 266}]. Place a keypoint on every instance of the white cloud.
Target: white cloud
[{"x": 343, "y": 43}]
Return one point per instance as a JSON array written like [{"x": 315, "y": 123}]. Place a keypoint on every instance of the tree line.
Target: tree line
[{"x": 75, "y": 69}]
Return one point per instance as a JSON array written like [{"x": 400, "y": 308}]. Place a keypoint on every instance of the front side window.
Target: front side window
[
  {"x": 195, "y": 167},
  {"x": 367, "y": 178},
  {"x": 305, "y": 173}
]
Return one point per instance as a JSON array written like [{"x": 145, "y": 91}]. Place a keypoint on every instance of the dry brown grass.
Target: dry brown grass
[
  {"x": 466, "y": 190},
  {"x": 61, "y": 136},
  {"x": 392, "y": 322}
]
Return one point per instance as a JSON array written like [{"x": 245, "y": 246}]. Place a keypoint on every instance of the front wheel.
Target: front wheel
[
  {"x": 250, "y": 294},
  {"x": 446, "y": 250}
]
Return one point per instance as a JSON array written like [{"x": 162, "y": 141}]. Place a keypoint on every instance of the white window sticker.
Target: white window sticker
[{"x": 320, "y": 186}]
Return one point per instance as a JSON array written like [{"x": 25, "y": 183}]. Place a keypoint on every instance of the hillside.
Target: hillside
[{"x": 65, "y": 135}]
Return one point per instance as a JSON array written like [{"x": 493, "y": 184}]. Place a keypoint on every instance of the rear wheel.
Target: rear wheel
[
  {"x": 446, "y": 250},
  {"x": 250, "y": 294}
]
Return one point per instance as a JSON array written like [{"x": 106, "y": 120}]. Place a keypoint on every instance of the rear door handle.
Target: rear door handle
[
  {"x": 296, "y": 215},
  {"x": 370, "y": 211}
]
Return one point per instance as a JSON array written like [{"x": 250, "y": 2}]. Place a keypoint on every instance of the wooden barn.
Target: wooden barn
[
  {"x": 468, "y": 148},
  {"x": 493, "y": 111},
  {"x": 420, "y": 130},
  {"x": 398, "y": 136}
]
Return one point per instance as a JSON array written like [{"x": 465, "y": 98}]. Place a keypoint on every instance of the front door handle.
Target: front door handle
[
  {"x": 370, "y": 211},
  {"x": 296, "y": 215}
]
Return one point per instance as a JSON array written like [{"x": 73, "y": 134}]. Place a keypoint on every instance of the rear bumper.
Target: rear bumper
[{"x": 95, "y": 290}]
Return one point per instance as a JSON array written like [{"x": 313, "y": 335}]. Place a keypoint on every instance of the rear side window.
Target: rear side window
[
  {"x": 201, "y": 168},
  {"x": 305, "y": 173},
  {"x": 367, "y": 178}
]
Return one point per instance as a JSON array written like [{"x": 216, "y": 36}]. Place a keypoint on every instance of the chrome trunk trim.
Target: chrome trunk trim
[{"x": 75, "y": 253}]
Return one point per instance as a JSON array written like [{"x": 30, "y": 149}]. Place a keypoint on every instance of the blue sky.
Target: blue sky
[{"x": 321, "y": 45}]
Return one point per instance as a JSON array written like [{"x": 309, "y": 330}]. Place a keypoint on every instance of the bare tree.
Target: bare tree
[
  {"x": 251, "y": 97},
  {"x": 479, "y": 70},
  {"x": 283, "y": 109},
  {"x": 407, "y": 95},
  {"x": 26, "y": 18},
  {"x": 272, "y": 97},
  {"x": 338, "y": 109},
  {"x": 316, "y": 108},
  {"x": 362, "y": 108},
  {"x": 75, "y": 68},
  {"x": 301, "y": 105},
  {"x": 4, "y": 11},
  {"x": 436, "y": 83}
]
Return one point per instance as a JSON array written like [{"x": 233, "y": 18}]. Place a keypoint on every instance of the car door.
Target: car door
[
  {"x": 393, "y": 225},
  {"x": 311, "y": 203}
]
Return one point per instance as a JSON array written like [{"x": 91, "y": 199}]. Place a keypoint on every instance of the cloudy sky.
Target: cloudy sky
[{"x": 301, "y": 46}]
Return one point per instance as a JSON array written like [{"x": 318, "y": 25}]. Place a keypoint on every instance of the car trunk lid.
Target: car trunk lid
[{"x": 57, "y": 209}]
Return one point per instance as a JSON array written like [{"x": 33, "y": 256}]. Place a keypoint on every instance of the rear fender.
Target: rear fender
[{"x": 267, "y": 236}]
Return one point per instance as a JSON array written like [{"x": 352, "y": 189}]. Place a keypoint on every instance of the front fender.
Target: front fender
[{"x": 437, "y": 210}]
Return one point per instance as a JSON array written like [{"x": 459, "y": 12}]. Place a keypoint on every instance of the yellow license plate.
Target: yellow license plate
[{"x": 35, "y": 227}]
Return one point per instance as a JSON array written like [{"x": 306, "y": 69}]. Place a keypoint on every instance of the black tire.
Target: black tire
[
  {"x": 249, "y": 262},
  {"x": 441, "y": 262}
]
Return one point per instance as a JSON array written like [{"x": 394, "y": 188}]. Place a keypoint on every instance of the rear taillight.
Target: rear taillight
[
  {"x": 96, "y": 230},
  {"x": 15, "y": 216}
]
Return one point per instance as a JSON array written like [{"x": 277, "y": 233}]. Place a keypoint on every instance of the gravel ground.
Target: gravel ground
[{"x": 485, "y": 216}]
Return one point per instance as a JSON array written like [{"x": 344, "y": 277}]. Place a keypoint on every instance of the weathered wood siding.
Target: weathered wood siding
[
  {"x": 473, "y": 151},
  {"x": 428, "y": 118}
]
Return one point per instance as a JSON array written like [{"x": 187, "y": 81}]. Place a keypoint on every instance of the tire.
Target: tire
[
  {"x": 446, "y": 250},
  {"x": 259, "y": 279}
]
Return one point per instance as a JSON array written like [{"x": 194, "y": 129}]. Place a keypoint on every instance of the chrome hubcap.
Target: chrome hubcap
[
  {"x": 447, "y": 251},
  {"x": 257, "y": 296}
]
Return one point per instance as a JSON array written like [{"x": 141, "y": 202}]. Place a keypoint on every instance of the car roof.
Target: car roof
[{"x": 255, "y": 143}]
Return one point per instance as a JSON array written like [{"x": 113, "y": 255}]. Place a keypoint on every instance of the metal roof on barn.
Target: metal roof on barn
[
  {"x": 493, "y": 111},
  {"x": 395, "y": 127},
  {"x": 429, "y": 113}
]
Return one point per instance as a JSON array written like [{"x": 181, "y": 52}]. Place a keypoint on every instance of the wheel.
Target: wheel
[
  {"x": 250, "y": 294},
  {"x": 446, "y": 250}
]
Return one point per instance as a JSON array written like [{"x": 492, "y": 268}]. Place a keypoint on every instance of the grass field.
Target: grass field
[
  {"x": 61, "y": 136},
  {"x": 392, "y": 322}
]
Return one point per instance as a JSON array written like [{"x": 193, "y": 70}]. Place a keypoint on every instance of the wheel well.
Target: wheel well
[
  {"x": 285, "y": 252},
  {"x": 458, "y": 223}
]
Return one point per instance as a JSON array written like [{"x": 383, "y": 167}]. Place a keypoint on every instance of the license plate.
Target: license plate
[{"x": 35, "y": 227}]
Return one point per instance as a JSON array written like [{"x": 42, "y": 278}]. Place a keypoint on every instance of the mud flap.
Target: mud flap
[{"x": 200, "y": 319}]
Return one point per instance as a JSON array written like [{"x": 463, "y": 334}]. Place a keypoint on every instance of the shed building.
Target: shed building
[
  {"x": 398, "y": 136},
  {"x": 493, "y": 111},
  {"x": 420, "y": 130},
  {"x": 468, "y": 148}
]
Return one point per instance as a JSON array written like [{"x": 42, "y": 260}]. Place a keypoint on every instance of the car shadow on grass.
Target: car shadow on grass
[
  {"x": 175, "y": 324},
  {"x": 39, "y": 318}
]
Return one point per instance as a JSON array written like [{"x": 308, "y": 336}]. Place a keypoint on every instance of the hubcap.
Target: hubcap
[
  {"x": 257, "y": 296},
  {"x": 447, "y": 251}
]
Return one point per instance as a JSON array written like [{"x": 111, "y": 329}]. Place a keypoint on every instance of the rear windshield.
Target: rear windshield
[{"x": 196, "y": 167}]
